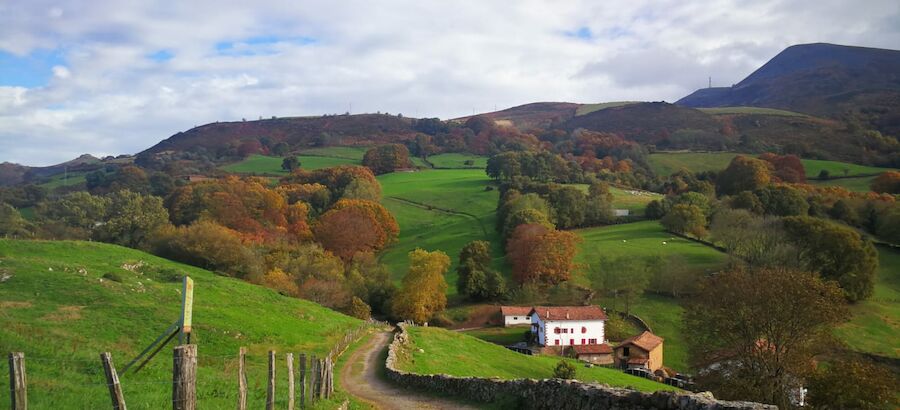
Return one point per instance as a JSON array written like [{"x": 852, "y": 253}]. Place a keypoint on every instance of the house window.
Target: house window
[
  {"x": 582, "y": 341},
  {"x": 571, "y": 341},
  {"x": 592, "y": 341},
  {"x": 625, "y": 351},
  {"x": 583, "y": 329},
  {"x": 556, "y": 330},
  {"x": 557, "y": 342},
  {"x": 572, "y": 330},
  {"x": 515, "y": 318},
  {"x": 565, "y": 330}
]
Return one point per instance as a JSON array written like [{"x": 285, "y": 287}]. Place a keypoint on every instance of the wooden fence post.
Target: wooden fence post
[
  {"x": 184, "y": 378},
  {"x": 270, "y": 387},
  {"x": 18, "y": 393},
  {"x": 290, "y": 369},
  {"x": 313, "y": 379},
  {"x": 112, "y": 382},
  {"x": 242, "y": 379},
  {"x": 302, "y": 380}
]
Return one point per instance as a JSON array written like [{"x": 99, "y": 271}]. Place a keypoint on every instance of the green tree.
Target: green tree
[
  {"x": 359, "y": 309},
  {"x": 525, "y": 216},
  {"x": 782, "y": 201},
  {"x": 78, "y": 209},
  {"x": 476, "y": 279},
  {"x": 423, "y": 291},
  {"x": 564, "y": 370},
  {"x": 11, "y": 221},
  {"x": 888, "y": 225},
  {"x": 761, "y": 329},
  {"x": 853, "y": 384},
  {"x": 836, "y": 252},
  {"x": 569, "y": 206},
  {"x": 685, "y": 219},
  {"x": 743, "y": 174},
  {"x": 132, "y": 218},
  {"x": 386, "y": 158},
  {"x": 290, "y": 163}
]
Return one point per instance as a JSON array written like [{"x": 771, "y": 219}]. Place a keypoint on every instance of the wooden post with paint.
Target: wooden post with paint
[{"x": 112, "y": 382}]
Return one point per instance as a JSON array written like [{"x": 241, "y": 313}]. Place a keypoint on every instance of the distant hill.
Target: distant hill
[
  {"x": 362, "y": 129},
  {"x": 11, "y": 174},
  {"x": 819, "y": 79},
  {"x": 533, "y": 115}
]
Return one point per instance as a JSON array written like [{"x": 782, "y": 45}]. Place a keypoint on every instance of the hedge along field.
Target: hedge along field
[
  {"x": 64, "y": 302},
  {"x": 644, "y": 240},
  {"x": 268, "y": 165},
  {"x": 439, "y": 210},
  {"x": 458, "y": 354},
  {"x": 458, "y": 161},
  {"x": 875, "y": 324}
]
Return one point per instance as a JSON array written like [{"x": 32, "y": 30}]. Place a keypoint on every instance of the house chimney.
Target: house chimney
[
  {"x": 548, "y": 313},
  {"x": 567, "y": 314}
]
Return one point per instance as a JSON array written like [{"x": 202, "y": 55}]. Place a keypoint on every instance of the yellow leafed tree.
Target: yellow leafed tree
[{"x": 423, "y": 291}]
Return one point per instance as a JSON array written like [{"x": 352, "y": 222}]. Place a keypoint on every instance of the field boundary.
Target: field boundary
[
  {"x": 439, "y": 209},
  {"x": 549, "y": 393}
]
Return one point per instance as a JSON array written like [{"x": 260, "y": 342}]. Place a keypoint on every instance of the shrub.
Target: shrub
[{"x": 564, "y": 370}]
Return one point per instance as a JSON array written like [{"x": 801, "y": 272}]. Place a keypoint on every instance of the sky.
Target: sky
[{"x": 110, "y": 77}]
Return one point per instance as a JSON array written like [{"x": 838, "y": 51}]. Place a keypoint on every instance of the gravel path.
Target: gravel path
[{"x": 362, "y": 377}]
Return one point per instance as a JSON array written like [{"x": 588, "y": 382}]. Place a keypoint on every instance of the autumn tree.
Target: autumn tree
[
  {"x": 887, "y": 182},
  {"x": 761, "y": 330},
  {"x": 208, "y": 245},
  {"x": 359, "y": 309},
  {"x": 386, "y": 158},
  {"x": 423, "y": 291},
  {"x": 338, "y": 180},
  {"x": 836, "y": 252},
  {"x": 743, "y": 174},
  {"x": 541, "y": 255},
  {"x": 349, "y": 230},
  {"x": 11, "y": 221},
  {"x": 685, "y": 219},
  {"x": 787, "y": 168},
  {"x": 476, "y": 279}
]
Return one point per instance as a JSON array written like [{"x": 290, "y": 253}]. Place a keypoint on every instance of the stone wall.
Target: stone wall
[{"x": 551, "y": 393}]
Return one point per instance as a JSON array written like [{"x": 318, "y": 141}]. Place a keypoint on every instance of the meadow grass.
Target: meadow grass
[
  {"x": 644, "y": 240},
  {"x": 667, "y": 163},
  {"x": 589, "y": 108},
  {"x": 59, "y": 309},
  {"x": 354, "y": 153},
  {"x": 63, "y": 179},
  {"x": 458, "y": 161},
  {"x": 268, "y": 165},
  {"x": 500, "y": 335},
  {"x": 751, "y": 111},
  {"x": 457, "y": 354},
  {"x": 439, "y": 210},
  {"x": 875, "y": 324},
  {"x": 857, "y": 184}
]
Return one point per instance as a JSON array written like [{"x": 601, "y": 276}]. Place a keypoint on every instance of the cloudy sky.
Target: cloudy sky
[{"x": 112, "y": 77}]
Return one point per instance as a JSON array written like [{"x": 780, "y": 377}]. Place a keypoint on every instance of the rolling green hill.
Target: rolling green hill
[
  {"x": 457, "y": 354},
  {"x": 62, "y": 303},
  {"x": 750, "y": 111},
  {"x": 268, "y": 165},
  {"x": 439, "y": 210}
]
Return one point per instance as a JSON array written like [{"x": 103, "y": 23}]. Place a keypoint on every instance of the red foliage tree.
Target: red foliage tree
[
  {"x": 350, "y": 230},
  {"x": 539, "y": 254},
  {"x": 788, "y": 168}
]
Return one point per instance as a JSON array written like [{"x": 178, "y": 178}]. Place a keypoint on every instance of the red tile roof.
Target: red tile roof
[
  {"x": 638, "y": 360},
  {"x": 646, "y": 341},
  {"x": 569, "y": 312},
  {"x": 593, "y": 349},
  {"x": 515, "y": 310}
]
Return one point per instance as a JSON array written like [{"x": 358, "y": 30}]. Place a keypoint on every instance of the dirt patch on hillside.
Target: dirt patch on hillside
[
  {"x": 65, "y": 314},
  {"x": 8, "y": 304},
  {"x": 484, "y": 315}
]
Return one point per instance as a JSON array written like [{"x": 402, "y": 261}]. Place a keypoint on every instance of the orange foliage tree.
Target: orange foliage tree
[
  {"x": 788, "y": 168},
  {"x": 539, "y": 254},
  {"x": 338, "y": 179},
  {"x": 887, "y": 182},
  {"x": 355, "y": 226}
]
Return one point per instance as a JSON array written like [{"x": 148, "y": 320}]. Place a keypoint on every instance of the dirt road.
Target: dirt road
[{"x": 362, "y": 376}]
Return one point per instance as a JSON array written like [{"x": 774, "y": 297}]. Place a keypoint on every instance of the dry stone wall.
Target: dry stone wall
[{"x": 552, "y": 393}]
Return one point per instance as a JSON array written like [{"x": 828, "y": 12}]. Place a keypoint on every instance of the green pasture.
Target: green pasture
[
  {"x": 875, "y": 325},
  {"x": 589, "y": 108},
  {"x": 62, "y": 303}
]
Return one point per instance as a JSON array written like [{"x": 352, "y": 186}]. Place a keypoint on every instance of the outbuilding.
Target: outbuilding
[{"x": 515, "y": 315}]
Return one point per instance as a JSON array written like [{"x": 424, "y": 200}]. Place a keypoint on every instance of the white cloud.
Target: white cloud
[{"x": 419, "y": 58}]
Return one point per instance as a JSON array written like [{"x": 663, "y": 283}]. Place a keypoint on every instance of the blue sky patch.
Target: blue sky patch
[
  {"x": 161, "y": 55},
  {"x": 259, "y": 45},
  {"x": 583, "y": 33},
  {"x": 32, "y": 70}
]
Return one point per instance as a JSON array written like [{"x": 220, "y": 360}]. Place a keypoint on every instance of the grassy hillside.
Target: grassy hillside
[
  {"x": 666, "y": 163},
  {"x": 875, "y": 326},
  {"x": 263, "y": 164},
  {"x": 62, "y": 303},
  {"x": 439, "y": 210},
  {"x": 750, "y": 111},
  {"x": 458, "y": 354},
  {"x": 457, "y": 160},
  {"x": 589, "y": 108},
  {"x": 856, "y": 184},
  {"x": 354, "y": 153}
]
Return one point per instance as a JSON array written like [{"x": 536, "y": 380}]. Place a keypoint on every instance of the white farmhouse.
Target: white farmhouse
[
  {"x": 568, "y": 325},
  {"x": 515, "y": 315}
]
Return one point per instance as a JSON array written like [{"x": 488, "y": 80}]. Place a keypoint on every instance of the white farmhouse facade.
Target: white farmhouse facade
[
  {"x": 568, "y": 325},
  {"x": 515, "y": 315}
]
